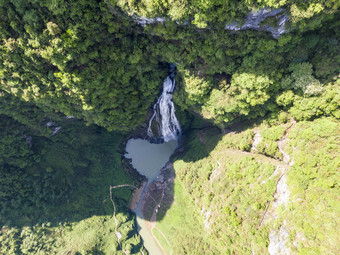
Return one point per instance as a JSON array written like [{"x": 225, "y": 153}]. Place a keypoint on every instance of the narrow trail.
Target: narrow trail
[
  {"x": 286, "y": 163},
  {"x": 279, "y": 238},
  {"x": 152, "y": 219},
  {"x": 281, "y": 142},
  {"x": 152, "y": 198},
  {"x": 153, "y": 222},
  {"x": 240, "y": 152},
  {"x": 166, "y": 239},
  {"x": 216, "y": 171},
  {"x": 118, "y": 234},
  {"x": 268, "y": 205}
]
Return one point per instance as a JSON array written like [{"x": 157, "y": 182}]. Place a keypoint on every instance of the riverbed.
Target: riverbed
[{"x": 148, "y": 159}]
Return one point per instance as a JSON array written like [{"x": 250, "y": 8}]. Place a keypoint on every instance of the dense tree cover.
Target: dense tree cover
[
  {"x": 14, "y": 150},
  {"x": 90, "y": 59},
  {"x": 54, "y": 195},
  {"x": 79, "y": 59},
  {"x": 232, "y": 76},
  {"x": 203, "y": 12},
  {"x": 265, "y": 76}
]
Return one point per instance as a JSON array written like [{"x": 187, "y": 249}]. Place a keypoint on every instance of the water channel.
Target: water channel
[{"x": 148, "y": 159}]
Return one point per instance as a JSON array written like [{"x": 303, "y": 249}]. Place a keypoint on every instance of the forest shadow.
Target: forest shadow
[
  {"x": 198, "y": 143},
  {"x": 69, "y": 180},
  {"x": 160, "y": 194}
]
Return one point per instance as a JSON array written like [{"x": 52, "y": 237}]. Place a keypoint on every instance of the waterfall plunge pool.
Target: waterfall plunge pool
[{"x": 148, "y": 159}]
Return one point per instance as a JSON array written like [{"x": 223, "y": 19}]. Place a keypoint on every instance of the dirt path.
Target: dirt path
[
  {"x": 281, "y": 143},
  {"x": 240, "y": 152},
  {"x": 281, "y": 194},
  {"x": 118, "y": 234},
  {"x": 278, "y": 240},
  {"x": 152, "y": 224},
  {"x": 166, "y": 239}
]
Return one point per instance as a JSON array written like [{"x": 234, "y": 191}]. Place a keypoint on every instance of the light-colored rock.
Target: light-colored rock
[
  {"x": 206, "y": 218},
  {"x": 55, "y": 131},
  {"x": 257, "y": 140},
  {"x": 282, "y": 192},
  {"x": 254, "y": 19},
  {"x": 50, "y": 124},
  {"x": 216, "y": 172},
  {"x": 278, "y": 242}
]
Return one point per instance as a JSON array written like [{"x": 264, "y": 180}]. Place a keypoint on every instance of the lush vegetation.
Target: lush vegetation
[
  {"x": 313, "y": 181},
  {"x": 229, "y": 190},
  {"x": 206, "y": 13},
  {"x": 55, "y": 190},
  {"x": 91, "y": 60},
  {"x": 231, "y": 198},
  {"x": 79, "y": 59}
]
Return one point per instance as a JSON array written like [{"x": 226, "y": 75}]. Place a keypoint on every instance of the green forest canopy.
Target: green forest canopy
[{"x": 92, "y": 60}]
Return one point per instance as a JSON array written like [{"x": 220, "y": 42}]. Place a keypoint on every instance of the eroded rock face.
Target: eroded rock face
[
  {"x": 279, "y": 240},
  {"x": 143, "y": 21},
  {"x": 159, "y": 195},
  {"x": 206, "y": 218},
  {"x": 282, "y": 192},
  {"x": 52, "y": 125},
  {"x": 254, "y": 19},
  {"x": 257, "y": 140}
]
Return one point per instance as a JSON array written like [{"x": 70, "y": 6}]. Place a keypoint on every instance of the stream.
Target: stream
[{"x": 148, "y": 159}]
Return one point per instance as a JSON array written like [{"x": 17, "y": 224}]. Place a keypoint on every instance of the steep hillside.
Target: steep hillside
[
  {"x": 239, "y": 201},
  {"x": 77, "y": 76}
]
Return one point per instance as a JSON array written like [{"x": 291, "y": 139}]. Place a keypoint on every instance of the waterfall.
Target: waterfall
[{"x": 164, "y": 112}]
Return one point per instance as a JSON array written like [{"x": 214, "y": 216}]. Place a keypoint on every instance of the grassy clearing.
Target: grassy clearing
[
  {"x": 221, "y": 191},
  {"x": 181, "y": 225},
  {"x": 224, "y": 192},
  {"x": 162, "y": 240}
]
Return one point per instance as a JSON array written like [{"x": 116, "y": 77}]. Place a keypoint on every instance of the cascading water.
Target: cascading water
[
  {"x": 148, "y": 157},
  {"x": 164, "y": 111}
]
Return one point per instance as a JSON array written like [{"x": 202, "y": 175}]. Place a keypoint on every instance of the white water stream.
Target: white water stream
[
  {"x": 149, "y": 158},
  {"x": 164, "y": 114}
]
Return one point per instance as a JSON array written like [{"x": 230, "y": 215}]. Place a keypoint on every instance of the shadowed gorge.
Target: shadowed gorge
[{"x": 211, "y": 125}]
